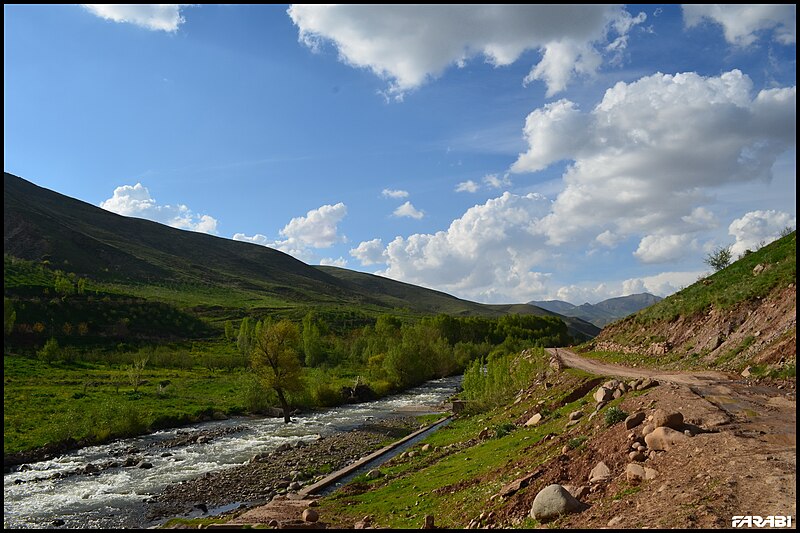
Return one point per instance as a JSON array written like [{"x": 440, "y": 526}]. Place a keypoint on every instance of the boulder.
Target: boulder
[
  {"x": 647, "y": 429},
  {"x": 310, "y": 515},
  {"x": 634, "y": 420},
  {"x": 636, "y": 473},
  {"x": 603, "y": 395},
  {"x": 574, "y": 415},
  {"x": 601, "y": 472},
  {"x": 637, "y": 456},
  {"x": 553, "y": 501},
  {"x": 662, "y": 418},
  {"x": 535, "y": 419},
  {"x": 664, "y": 438},
  {"x": 611, "y": 384}
]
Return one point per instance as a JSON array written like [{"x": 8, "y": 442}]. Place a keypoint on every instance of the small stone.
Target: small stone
[
  {"x": 634, "y": 420},
  {"x": 552, "y": 501},
  {"x": 575, "y": 415},
  {"x": 746, "y": 373},
  {"x": 532, "y": 421},
  {"x": 636, "y": 456},
  {"x": 614, "y": 522},
  {"x": 310, "y": 515},
  {"x": 426, "y": 448},
  {"x": 374, "y": 474},
  {"x": 600, "y": 472}
]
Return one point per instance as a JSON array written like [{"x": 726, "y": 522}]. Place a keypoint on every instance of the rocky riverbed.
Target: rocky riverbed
[{"x": 281, "y": 471}]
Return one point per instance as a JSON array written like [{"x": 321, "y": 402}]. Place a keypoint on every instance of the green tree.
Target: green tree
[
  {"x": 63, "y": 285},
  {"x": 719, "y": 258},
  {"x": 313, "y": 347},
  {"x": 276, "y": 362},
  {"x": 49, "y": 351},
  {"x": 9, "y": 316}
]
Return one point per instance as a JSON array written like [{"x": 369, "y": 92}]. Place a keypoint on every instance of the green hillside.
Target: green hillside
[{"x": 209, "y": 276}]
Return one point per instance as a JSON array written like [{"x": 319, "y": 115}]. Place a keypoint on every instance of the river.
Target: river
[{"x": 115, "y": 497}]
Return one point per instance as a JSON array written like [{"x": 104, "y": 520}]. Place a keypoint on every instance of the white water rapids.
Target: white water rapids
[{"x": 115, "y": 497}]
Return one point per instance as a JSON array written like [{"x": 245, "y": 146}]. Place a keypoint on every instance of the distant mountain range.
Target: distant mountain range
[
  {"x": 211, "y": 275},
  {"x": 601, "y": 313}
]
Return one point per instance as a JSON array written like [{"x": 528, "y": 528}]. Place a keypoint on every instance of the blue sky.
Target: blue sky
[{"x": 498, "y": 153}]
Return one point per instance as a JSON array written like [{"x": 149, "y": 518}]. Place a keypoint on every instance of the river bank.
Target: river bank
[{"x": 284, "y": 470}]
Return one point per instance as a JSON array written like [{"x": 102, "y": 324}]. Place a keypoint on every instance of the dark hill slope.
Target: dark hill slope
[{"x": 153, "y": 260}]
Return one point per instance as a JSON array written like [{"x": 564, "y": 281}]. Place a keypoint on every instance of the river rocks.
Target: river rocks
[
  {"x": 146, "y": 465},
  {"x": 285, "y": 447},
  {"x": 634, "y": 420},
  {"x": 664, "y": 438},
  {"x": 662, "y": 418},
  {"x": 553, "y": 501},
  {"x": 310, "y": 515},
  {"x": 601, "y": 472},
  {"x": 535, "y": 419}
]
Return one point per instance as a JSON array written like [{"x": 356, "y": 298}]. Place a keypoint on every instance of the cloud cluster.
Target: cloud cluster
[
  {"x": 409, "y": 44},
  {"x": 742, "y": 23},
  {"x": 487, "y": 254},
  {"x": 156, "y": 17},
  {"x": 643, "y": 160},
  {"x": 757, "y": 228},
  {"x": 135, "y": 201},
  {"x": 318, "y": 229},
  {"x": 642, "y": 164}
]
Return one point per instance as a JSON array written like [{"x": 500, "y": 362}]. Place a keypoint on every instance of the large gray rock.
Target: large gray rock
[
  {"x": 634, "y": 420},
  {"x": 662, "y": 418},
  {"x": 601, "y": 472},
  {"x": 553, "y": 501},
  {"x": 664, "y": 438}
]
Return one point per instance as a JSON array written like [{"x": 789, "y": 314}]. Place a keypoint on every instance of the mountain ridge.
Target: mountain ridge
[{"x": 603, "y": 312}]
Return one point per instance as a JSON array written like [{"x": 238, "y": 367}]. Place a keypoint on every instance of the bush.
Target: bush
[
  {"x": 503, "y": 429},
  {"x": 577, "y": 441},
  {"x": 49, "y": 351},
  {"x": 326, "y": 396},
  {"x": 614, "y": 415}
]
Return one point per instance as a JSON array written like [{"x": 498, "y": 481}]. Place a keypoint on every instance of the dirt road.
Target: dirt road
[{"x": 571, "y": 359}]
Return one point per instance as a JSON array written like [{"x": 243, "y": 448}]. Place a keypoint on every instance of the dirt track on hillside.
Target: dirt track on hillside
[{"x": 571, "y": 359}]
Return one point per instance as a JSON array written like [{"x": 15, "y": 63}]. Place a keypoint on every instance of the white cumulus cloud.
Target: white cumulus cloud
[
  {"x": 410, "y": 44},
  {"x": 394, "y": 193},
  {"x": 467, "y": 186},
  {"x": 135, "y": 201},
  {"x": 408, "y": 210},
  {"x": 370, "y": 252},
  {"x": 642, "y": 161},
  {"x": 487, "y": 254},
  {"x": 497, "y": 182},
  {"x": 757, "y": 228},
  {"x": 664, "y": 248},
  {"x": 742, "y": 23},
  {"x": 318, "y": 228},
  {"x": 156, "y": 17},
  {"x": 341, "y": 262}
]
